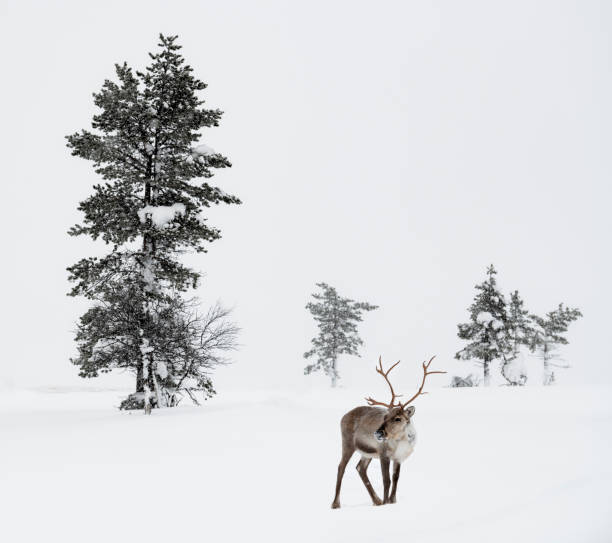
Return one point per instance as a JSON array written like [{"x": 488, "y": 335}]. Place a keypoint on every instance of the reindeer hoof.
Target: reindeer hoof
[
  {"x": 377, "y": 501},
  {"x": 392, "y": 499},
  {"x": 336, "y": 505}
]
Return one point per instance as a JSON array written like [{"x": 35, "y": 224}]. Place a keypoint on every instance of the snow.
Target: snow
[
  {"x": 202, "y": 150},
  {"x": 500, "y": 464},
  {"x": 161, "y": 369},
  {"x": 519, "y": 366},
  {"x": 145, "y": 348},
  {"x": 484, "y": 317},
  {"x": 161, "y": 215}
]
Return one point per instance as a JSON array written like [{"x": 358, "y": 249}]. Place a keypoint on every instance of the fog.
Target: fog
[{"x": 391, "y": 149}]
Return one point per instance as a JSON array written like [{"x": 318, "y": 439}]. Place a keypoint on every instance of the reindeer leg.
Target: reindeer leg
[
  {"x": 396, "y": 474},
  {"x": 384, "y": 466},
  {"x": 362, "y": 468},
  {"x": 346, "y": 456}
]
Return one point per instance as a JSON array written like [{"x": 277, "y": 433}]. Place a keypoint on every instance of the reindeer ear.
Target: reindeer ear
[{"x": 409, "y": 410}]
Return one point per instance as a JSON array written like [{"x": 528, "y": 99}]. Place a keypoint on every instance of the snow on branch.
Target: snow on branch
[
  {"x": 201, "y": 152},
  {"x": 161, "y": 215}
]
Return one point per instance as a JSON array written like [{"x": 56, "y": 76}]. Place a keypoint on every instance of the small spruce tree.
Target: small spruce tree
[
  {"x": 337, "y": 319},
  {"x": 548, "y": 334},
  {"x": 486, "y": 331},
  {"x": 149, "y": 210},
  {"x": 519, "y": 330}
]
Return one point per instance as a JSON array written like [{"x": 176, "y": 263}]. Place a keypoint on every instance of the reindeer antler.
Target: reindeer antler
[
  {"x": 385, "y": 374},
  {"x": 425, "y": 374}
]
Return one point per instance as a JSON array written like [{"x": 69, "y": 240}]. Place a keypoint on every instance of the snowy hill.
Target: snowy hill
[{"x": 497, "y": 465}]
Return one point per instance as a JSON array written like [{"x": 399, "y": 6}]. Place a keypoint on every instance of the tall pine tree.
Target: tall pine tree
[
  {"x": 337, "y": 319},
  {"x": 486, "y": 331},
  {"x": 519, "y": 333},
  {"x": 149, "y": 210},
  {"x": 548, "y": 334}
]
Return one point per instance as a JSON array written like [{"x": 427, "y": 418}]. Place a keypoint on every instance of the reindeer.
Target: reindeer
[{"x": 378, "y": 433}]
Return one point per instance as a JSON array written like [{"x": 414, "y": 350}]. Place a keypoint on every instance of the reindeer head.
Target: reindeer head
[
  {"x": 394, "y": 424},
  {"x": 398, "y": 416}
]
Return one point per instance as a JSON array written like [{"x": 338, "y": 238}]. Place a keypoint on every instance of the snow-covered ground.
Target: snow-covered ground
[{"x": 496, "y": 465}]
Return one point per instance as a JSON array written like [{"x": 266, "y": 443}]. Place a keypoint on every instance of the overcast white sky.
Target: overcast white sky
[{"x": 392, "y": 149}]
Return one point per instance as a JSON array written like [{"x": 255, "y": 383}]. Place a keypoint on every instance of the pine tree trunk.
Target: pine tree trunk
[
  {"x": 504, "y": 369},
  {"x": 148, "y": 249},
  {"x": 547, "y": 378},
  {"x": 487, "y": 376},
  {"x": 334, "y": 377},
  {"x": 139, "y": 379}
]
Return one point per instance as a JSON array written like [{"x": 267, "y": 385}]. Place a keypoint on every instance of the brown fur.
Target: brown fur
[{"x": 359, "y": 428}]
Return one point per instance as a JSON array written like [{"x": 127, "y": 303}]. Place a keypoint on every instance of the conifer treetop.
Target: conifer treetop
[
  {"x": 552, "y": 327},
  {"x": 145, "y": 133},
  {"x": 142, "y": 144},
  {"x": 337, "y": 319},
  {"x": 487, "y": 329}
]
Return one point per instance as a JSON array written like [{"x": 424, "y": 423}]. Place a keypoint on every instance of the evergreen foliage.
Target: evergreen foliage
[
  {"x": 548, "y": 334},
  {"x": 520, "y": 332},
  {"x": 497, "y": 331},
  {"x": 486, "y": 331},
  {"x": 149, "y": 210},
  {"x": 337, "y": 319}
]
